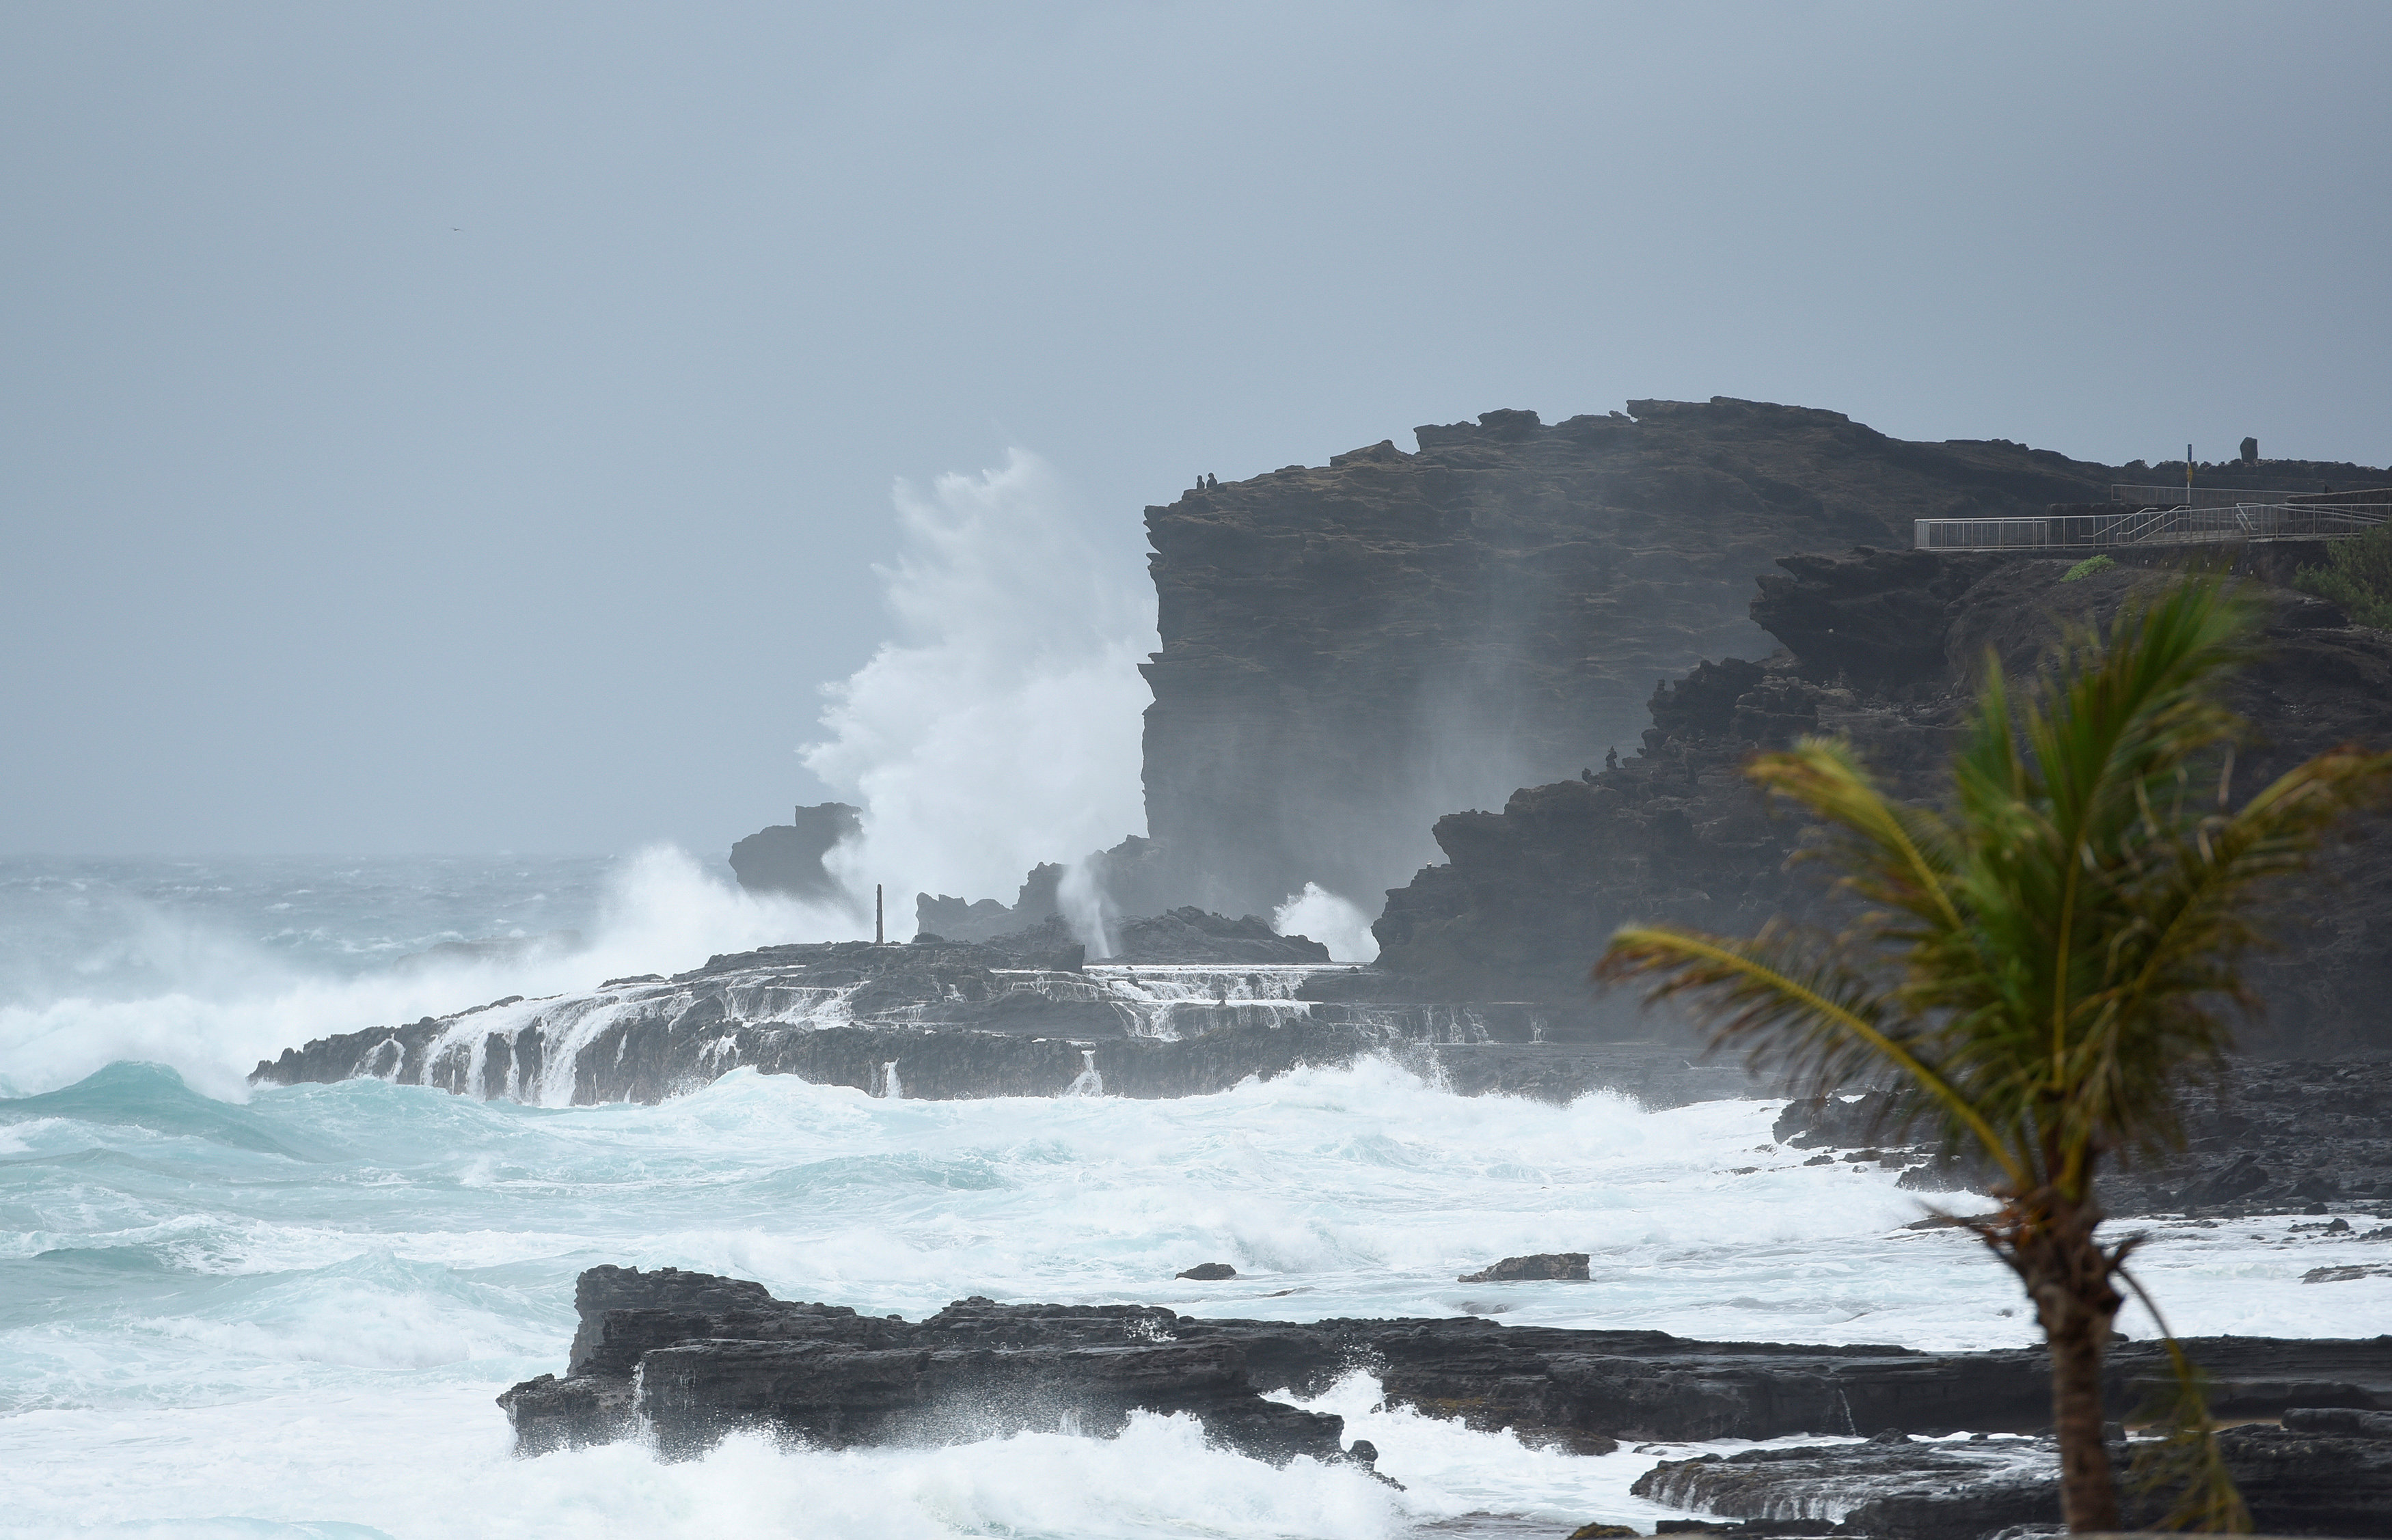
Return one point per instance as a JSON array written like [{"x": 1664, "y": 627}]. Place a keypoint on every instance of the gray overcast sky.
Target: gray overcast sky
[{"x": 454, "y": 427}]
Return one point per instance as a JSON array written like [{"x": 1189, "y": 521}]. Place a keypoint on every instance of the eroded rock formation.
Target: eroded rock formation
[
  {"x": 1017, "y": 1017},
  {"x": 955, "y": 919},
  {"x": 698, "y": 1356},
  {"x": 1885, "y": 647},
  {"x": 1189, "y": 935},
  {"x": 788, "y": 857},
  {"x": 2274, "y": 1137},
  {"x": 1351, "y": 650},
  {"x": 2321, "y": 1473}
]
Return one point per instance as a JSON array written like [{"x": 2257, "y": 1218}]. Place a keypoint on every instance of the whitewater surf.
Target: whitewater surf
[{"x": 289, "y": 1311}]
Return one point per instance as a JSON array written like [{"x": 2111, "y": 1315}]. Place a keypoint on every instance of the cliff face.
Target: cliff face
[
  {"x": 1350, "y": 650},
  {"x": 1884, "y": 647}
]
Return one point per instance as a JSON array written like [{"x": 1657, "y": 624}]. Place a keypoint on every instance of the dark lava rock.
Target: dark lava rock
[
  {"x": 2296, "y": 1482},
  {"x": 1210, "y": 1272},
  {"x": 2299, "y": 1482},
  {"x": 704, "y": 1356},
  {"x": 1047, "y": 946},
  {"x": 1876, "y": 622},
  {"x": 2262, "y": 1140},
  {"x": 838, "y": 1396},
  {"x": 1039, "y": 901},
  {"x": 1350, "y": 650},
  {"x": 731, "y": 1355},
  {"x": 1331, "y": 634},
  {"x": 938, "y": 1020},
  {"x": 931, "y": 1020},
  {"x": 1882, "y": 647},
  {"x": 1189, "y": 935},
  {"x": 1896, "y": 1492},
  {"x": 1566, "y": 1265},
  {"x": 788, "y": 857},
  {"x": 2350, "y": 1274},
  {"x": 2345, "y": 1420}
]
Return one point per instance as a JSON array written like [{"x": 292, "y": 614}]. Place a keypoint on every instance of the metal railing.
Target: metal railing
[
  {"x": 2152, "y": 527},
  {"x": 2161, "y": 495}
]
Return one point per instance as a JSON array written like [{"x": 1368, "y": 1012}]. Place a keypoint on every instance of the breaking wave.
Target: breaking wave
[
  {"x": 212, "y": 994},
  {"x": 1001, "y": 726}
]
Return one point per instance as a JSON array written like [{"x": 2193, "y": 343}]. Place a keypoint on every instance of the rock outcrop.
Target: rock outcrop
[
  {"x": 697, "y": 1355},
  {"x": 1569, "y": 1266},
  {"x": 2275, "y": 1136},
  {"x": 2297, "y": 1479},
  {"x": 1885, "y": 647},
  {"x": 1189, "y": 935},
  {"x": 931, "y": 1020},
  {"x": 1351, "y": 650},
  {"x": 955, "y": 919},
  {"x": 788, "y": 857},
  {"x": 1016, "y": 1017}
]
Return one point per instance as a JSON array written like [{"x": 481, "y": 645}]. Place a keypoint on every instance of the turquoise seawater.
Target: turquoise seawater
[{"x": 287, "y": 1312}]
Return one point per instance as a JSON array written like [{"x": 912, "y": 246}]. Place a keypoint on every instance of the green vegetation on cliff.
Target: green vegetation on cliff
[{"x": 2358, "y": 575}]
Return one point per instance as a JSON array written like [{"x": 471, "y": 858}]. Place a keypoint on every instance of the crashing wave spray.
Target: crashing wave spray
[
  {"x": 1336, "y": 922},
  {"x": 222, "y": 1000},
  {"x": 1001, "y": 726}
]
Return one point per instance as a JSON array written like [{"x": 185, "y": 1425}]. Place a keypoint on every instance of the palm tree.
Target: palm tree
[{"x": 2043, "y": 962}]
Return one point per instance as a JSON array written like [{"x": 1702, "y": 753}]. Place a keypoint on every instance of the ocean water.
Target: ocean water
[{"x": 287, "y": 1312}]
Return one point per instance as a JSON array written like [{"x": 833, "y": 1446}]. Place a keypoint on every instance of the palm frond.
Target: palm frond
[
  {"x": 2188, "y": 916},
  {"x": 1895, "y": 855},
  {"x": 2186, "y": 1461},
  {"x": 2051, "y": 956},
  {"x": 1804, "y": 1006}
]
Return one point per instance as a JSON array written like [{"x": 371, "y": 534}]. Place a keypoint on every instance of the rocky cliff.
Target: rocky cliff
[
  {"x": 1351, "y": 650},
  {"x": 1885, "y": 647}
]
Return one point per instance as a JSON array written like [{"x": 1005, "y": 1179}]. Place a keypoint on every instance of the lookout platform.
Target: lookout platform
[{"x": 2205, "y": 516}]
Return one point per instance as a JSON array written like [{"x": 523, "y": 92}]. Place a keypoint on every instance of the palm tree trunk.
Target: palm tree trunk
[
  {"x": 2067, "y": 1275},
  {"x": 2089, "y": 1492}
]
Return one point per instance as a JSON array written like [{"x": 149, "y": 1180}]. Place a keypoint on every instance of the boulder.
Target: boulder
[{"x": 1568, "y": 1266}]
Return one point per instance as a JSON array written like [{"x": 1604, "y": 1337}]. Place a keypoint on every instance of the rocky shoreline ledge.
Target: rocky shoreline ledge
[
  {"x": 684, "y": 1359},
  {"x": 940, "y": 1020}
]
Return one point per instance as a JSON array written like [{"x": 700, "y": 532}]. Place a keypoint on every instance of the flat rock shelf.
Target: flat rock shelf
[{"x": 685, "y": 1358}]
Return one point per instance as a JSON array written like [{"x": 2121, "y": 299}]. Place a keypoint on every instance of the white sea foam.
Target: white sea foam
[
  {"x": 1001, "y": 726},
  {"x": 229, "y": 1001},
  {"x": 1336, "y": 923},
  {"x": 289, "y": 1316},
  {"x": 201, "y": 1326}
]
